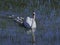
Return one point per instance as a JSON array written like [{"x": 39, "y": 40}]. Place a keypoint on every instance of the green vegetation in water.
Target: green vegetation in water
[{"x": 22, "y": 4}]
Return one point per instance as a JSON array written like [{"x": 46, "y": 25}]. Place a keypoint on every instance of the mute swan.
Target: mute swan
[{"x": 30, "y": 22}]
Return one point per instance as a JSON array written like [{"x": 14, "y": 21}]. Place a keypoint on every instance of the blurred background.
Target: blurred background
[{"x": 47, "y": 18}]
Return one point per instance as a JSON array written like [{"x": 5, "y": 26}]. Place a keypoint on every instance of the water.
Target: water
[{"x": 47, "y": 31}]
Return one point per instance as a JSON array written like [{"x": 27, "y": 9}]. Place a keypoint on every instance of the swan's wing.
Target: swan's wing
[{"x": 28, "y": 22}]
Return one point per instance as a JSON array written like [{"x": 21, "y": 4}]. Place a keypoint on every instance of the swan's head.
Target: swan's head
[{"x": 34, "y": 15}]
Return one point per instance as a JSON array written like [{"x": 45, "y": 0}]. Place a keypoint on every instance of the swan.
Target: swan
[{"x": 30, "y": 22}]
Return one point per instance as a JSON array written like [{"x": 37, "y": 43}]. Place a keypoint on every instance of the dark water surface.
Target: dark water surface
[{"x": 47, "y": 31}]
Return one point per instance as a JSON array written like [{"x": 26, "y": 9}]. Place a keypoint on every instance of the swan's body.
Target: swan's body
[{"x": 30, "y": 23}]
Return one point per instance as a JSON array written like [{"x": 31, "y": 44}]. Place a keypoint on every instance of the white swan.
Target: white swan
[{"x": 30, "y": 22}]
